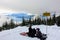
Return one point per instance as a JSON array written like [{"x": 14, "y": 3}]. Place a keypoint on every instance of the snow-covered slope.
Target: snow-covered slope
[{"x": 53, "y": 33}]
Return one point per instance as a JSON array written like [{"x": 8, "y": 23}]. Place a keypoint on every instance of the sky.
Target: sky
[{"x": 29, "y": 6}]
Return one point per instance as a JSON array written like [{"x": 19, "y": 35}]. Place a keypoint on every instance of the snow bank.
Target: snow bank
[{"x": 53, "y": 33}]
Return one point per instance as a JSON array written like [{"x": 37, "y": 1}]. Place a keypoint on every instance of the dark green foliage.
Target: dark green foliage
[
  {"x": 44, "y": 22},
  {"x": 23, "y": 21},
  {"x": 1, "y": 29},
  {"x": 50, "y": 21},
  {"x": 34, "y": 22},
  {"x": 58, "y": 20},
  {"x": 11, "y": 24},
  {"x": 54, "y": 19},
  {"x": 26, "y": 22},
  {"x": 30, "y": 20},
  {"x": 6, "y": 26},
  {"x": 38, "y": 21}
]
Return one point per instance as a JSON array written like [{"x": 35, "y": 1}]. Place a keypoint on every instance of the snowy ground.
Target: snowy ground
[{"x": 53, "y": 33}]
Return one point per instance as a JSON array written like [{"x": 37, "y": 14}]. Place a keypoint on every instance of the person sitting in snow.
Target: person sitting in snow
[
  {"x": 31, "y": 32},
  {"x": 38, "y": 34}
]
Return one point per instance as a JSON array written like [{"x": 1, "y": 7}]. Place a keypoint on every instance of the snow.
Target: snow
[{"x": 53, "y": 33}]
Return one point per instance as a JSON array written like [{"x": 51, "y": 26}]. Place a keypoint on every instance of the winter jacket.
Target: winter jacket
[
  {"x": 30, "y": 32},
  {"x": 39, "y": 34}
]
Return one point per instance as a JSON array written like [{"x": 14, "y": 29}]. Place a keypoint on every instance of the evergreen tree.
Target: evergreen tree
[
  {"x": 30, "y": 20},
  {"x": 23, "y": 21},
  {"x": 5, "y": 26},
  {"x": 11, "y": 24},
  {"x": 44, "y": 21},
  {"x": 38, "y": 21},
  {"x": 34, "y": 22},
  {"x": 54, "y": 19},
  {"x": 58, "y": 21},
  {"x": 0, "y": 28},
  {"x": 49, "y": 21}
]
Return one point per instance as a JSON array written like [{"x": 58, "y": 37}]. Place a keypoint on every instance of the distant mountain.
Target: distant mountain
[
  {"x": 20, "y": 15},
  {"x": 17, "y": 17}
]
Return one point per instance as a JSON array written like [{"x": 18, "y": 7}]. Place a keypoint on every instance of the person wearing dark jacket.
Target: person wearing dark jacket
[
  {"x": 39, "y": 34},
  {"x": 33, "y": 32},
  {"x": 30, "y": 31}
]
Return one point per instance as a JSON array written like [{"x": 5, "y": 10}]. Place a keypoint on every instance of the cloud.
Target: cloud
[{"x": 31, "y": 6}]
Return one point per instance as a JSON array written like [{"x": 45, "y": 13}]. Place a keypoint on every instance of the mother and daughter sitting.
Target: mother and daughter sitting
[{"x": 35, "y": 33}]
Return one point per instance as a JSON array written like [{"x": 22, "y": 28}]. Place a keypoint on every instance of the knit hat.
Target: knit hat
[{"x": 37, "y": 29}]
